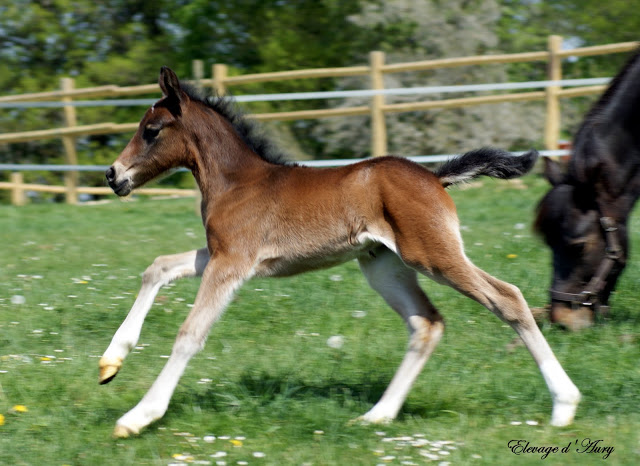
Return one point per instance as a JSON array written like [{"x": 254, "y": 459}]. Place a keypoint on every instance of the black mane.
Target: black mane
[
  {"x": 611, "y": 90},
  {"x": 603, "y": 144},
  {"x": 249, "y": 130}
]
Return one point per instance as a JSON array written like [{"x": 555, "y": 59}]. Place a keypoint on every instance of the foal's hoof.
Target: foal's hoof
[
  {"x": 374, "y": 416},
  {"x": 564, "y": 413},
  {"x": 121, "y": 431},
  {"x": 109, "y": 367}
]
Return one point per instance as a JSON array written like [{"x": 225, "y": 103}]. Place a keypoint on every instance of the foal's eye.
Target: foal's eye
[{"x": 151, "y": 132}]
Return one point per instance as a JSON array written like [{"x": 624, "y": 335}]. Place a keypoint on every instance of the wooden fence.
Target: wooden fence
[{"x": 377, "y": 108}]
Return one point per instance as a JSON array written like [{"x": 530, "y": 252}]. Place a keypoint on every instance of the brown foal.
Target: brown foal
[{"x": 266, "y": 218}]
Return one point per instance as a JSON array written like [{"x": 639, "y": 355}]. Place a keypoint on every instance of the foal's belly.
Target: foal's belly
[{"x": 285, "y": 265}]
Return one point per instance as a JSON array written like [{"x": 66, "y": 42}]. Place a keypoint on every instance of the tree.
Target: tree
[{"x": 411, "y": 30}]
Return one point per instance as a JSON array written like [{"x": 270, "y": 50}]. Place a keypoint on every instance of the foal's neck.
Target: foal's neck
[{"x": 220, "y": 159}]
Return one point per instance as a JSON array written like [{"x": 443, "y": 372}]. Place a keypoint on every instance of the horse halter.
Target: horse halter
[{"x": 589, "y": 296}]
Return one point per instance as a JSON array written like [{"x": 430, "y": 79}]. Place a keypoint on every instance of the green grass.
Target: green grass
[{"x": 267, "y": 374}]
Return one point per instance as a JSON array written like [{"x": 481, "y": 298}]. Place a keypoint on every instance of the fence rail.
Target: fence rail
[{"x": 377, "y": 108}]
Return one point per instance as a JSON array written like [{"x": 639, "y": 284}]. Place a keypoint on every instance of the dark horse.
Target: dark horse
[
  {"x": 267, "y": 218},
  {"x": 583, "y": 218}
]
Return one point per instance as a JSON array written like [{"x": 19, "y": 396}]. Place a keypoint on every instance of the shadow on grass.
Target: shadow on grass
[{"x": 264, "y": 390}]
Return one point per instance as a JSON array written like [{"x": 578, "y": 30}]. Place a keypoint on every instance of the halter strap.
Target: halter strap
[{"x": 589, "y": 296}]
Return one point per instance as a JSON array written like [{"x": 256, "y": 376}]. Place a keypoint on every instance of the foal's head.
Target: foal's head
[
  {"x": 569, "y": 220},
  {"x": 158, "y": 144},
  {"x": 185, "y": 129},
  {"x": 163, "y": 141}
]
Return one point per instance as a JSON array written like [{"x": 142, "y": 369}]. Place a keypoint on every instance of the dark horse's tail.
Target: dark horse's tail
[{"x": 487, "y": 161}]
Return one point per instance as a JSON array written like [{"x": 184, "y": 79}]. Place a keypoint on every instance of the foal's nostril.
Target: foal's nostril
[{"x": 110, "y": 174}]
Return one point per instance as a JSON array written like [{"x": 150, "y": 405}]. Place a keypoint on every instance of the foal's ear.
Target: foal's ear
[
  {"x": 170, "y": 85},
  {"x": 169, "y": 82},
  {"x": 553, "y": 171}
]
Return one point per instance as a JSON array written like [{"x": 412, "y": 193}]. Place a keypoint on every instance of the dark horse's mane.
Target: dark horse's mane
[
  {"x": 248, "y": 130},
  {"x": 585, "y": 164},
  {"x": 611, "y": 90},
  {"x": 586, "y": 160}
]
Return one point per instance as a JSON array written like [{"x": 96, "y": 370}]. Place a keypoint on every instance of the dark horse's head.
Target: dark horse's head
[{"x": 583, "y": 218}]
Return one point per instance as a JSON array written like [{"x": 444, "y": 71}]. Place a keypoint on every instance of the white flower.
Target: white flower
[
  {"x": 18, "y": 299},
  {"x": 336, "y": 341}
]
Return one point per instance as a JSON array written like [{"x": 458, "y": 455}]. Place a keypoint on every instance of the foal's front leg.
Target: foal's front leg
[
  {"x": 220, "y": 279},
  {"x": 163, "y": 270}
]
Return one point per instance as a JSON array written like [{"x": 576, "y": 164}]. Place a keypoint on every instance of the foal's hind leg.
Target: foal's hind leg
[
  {"x": 507, "y": 302},
  {"x": 163, "y": 270},
  {"x": 398, "y": 285}
]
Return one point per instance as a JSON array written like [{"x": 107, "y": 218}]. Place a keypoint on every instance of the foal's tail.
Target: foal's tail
[{"x": 487, "y": 161}]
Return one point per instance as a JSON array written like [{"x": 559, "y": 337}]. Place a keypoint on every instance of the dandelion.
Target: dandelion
[
  {"x": 236, "y": 442},
  {"x": 19, "y": 409},
  {"x": 511, "y": 256},
  {"x": 1, "y": 420}
]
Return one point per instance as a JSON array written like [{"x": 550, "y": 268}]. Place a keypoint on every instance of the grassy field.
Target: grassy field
[{"x": 267, "y": 389}]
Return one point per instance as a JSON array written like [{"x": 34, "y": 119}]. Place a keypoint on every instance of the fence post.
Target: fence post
[
  {"x": 554, "y": 73},
  {"x": 197, "y": 70},
  {"x": 17, "y": 192},
  {"x": 219, "y": 72},
  {"x": 69, "y": 143},
  {"x": 378, "y": 128}
]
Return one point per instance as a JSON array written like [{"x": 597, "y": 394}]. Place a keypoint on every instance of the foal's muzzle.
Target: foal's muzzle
[{"x": 121, "y": 188}]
